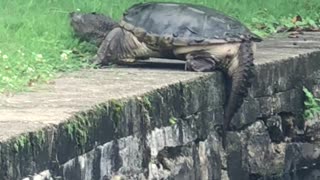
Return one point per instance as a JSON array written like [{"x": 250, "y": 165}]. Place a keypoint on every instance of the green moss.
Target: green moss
[
  {"x": 78, "y": 128},
  {"x": 22, "y": 143},
  {"x": 40, "y": 138},
  {"x": 147, "y": 103},
  {"x": 116, "y": 110}
]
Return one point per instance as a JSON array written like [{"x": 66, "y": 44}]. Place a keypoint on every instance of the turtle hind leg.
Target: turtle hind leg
[
  {"x": 121, "y": 46},
  {"x": 200, "y": 61},
  {"x": 240, "y": 80}
]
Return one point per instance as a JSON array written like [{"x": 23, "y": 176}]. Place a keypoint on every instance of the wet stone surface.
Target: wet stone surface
[{"x": 147, "y": 122}]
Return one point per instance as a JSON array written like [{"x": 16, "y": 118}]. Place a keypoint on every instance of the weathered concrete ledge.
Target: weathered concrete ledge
[{"x": 152, "y": 124}]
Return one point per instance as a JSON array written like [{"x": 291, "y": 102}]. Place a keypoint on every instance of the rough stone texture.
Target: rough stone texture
[
  {"x": 179, "y": 160},
  {"x": 151, "y": 124}
]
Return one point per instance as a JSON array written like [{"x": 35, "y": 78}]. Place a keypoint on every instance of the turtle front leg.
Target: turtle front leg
[
  {"x": 122, "y": 47},
  {"x": 200, "y": 61}
]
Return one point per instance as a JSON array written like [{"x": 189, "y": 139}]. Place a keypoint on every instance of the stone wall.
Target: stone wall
[
  {"x": 170, "y": 132},
  {"x": 191, "y": 149}
]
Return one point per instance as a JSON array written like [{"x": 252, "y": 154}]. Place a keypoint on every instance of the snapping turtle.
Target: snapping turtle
[{"x": 205, "y": 38}]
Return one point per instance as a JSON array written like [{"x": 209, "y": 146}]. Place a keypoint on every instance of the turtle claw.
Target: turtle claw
[
  {"x": 95, "y": 60},
  {"x": 200, "y": 62}
]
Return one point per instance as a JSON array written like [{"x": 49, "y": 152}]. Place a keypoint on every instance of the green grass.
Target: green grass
[{"x": 36, "y": 40}]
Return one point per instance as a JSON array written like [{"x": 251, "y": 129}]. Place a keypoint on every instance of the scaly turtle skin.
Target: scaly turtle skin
[{"x": 205, "y": 38}]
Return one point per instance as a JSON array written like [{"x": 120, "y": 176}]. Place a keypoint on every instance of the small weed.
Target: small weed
[
  {"x": 312, "y": 105},
  {"x": 173, "y": 121}
]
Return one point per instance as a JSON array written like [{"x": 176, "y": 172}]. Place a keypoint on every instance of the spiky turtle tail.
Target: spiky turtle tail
[{"x": 240, "y": 81}]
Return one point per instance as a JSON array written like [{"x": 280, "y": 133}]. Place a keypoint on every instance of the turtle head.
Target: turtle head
[{"x": 91, "y": 27}]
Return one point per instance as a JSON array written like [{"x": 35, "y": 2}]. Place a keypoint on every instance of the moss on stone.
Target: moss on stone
[
  {"x": 116, "y": 110},
  {"x": 78, "y": 128},
  {"x": 39, "y": 138},
  {"x": 147, "y": 103},
  {"x": 77, "y": 132},
  {"x": 22, "y": 143}
]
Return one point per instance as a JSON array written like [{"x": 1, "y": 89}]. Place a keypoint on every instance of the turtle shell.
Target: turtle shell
[{"x": 178, "y": 24}]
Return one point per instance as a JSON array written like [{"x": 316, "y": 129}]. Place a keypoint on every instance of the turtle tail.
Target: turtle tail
[{"x": 240, "y": 81}]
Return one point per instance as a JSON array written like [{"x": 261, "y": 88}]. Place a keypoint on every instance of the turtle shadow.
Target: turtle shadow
[{"x": 154, "y": 63}]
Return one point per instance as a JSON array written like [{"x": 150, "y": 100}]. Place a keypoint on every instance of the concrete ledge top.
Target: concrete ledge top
[{"x": 78, "y": 91}]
